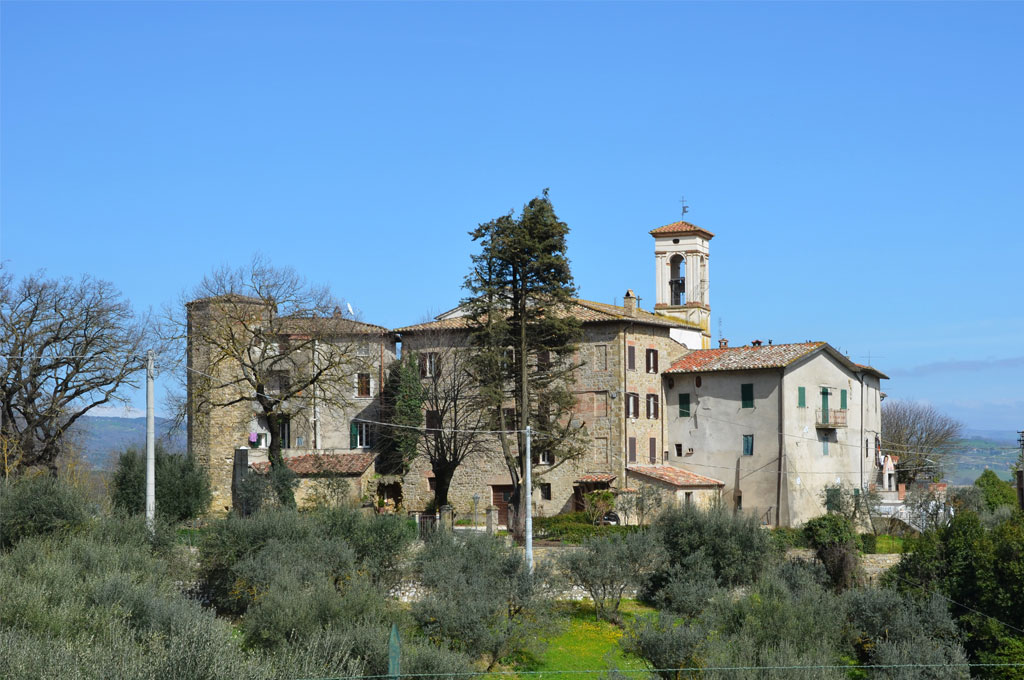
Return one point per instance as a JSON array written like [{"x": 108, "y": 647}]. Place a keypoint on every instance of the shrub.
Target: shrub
[
  {"x": 665, "y": 643},
  {"x": 869, "y": 543},
  {"x": 835, "y": 543},
  {"x": 788, "y": 537},
  {"x": 736, "y": 549},
  {"x": 38, "y": 505},
  {"x": 995, "y": 492},
  {"x": 597, "y": 504},
  {"x": 574, "y": 528},
  {"x": 605, "y": 567},
  {"x": 182, "y": 486},
  {"x": 480, "y": 598}
]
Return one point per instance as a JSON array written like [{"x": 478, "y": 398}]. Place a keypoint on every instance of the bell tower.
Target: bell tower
[{"x": 681, "y": 255}]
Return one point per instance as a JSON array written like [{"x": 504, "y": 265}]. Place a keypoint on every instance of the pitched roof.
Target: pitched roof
[
  {"x": 586, "y": 311},
  {"x": 742, "y": 358},
  {"x": 673, "y": 475},
  {"x": 348, "y": 464},
  {"x": 596, "y": 478},
  {"x": 748, "y": 357},
  {"x": 680, "y": 228}
]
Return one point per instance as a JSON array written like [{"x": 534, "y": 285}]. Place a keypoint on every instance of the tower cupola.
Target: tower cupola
[{"x": 681, "y": 254}]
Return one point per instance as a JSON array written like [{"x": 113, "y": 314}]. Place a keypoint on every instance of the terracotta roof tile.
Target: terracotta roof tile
[
  {"x": 586, "y": 311},
  {"x": 679, "y": 228},
  {"x": 673, "y": 475},
  {"x": 742, "y": 358},
  {"x": 327, "y": 463},
  {"x": 596, "y": 478}
]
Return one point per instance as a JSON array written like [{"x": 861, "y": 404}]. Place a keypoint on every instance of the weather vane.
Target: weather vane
[{"x": 685, "y": 208}]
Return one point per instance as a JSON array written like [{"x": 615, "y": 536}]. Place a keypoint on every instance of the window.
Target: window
[
  {"x": 679, "y": 450},
  {"x": 824, "y": 447},
  {"x": 653, "y": 452},
  {"x": 601, "y": 357},
  {"x": 632, "y": 449},
  {"x": 652, "y": 361},
  {"x": 359, "y": 435},
  {"x": 545, "y": 492},
  {"x": 684, "y": 405},
  {"x": 510, "y": 418},
  {"x": 299, "y": 441},
  {"x": 632, "y": 405},
  {"x": 544, "y": 360},
  {"x": 432, "y": 484},
  {"x": 363, "y": 349},
  {"x": 652, "y": 406},
  {"x": 688, "y": 496},
  {"x": 428, "y": 365},
  {"x": 545, "y": 457},
  {"x": 363, "y": 385},
  {"x": 631, "y": 358},
  {"x": 748, "y": 445},
  {"x": 433, "y": 420},
  {"x": 801, "y": 397},
  {"x": 285, "y": 431},
  {"x": 747, "y": 394},
  {"x": 842, "y": 399}
]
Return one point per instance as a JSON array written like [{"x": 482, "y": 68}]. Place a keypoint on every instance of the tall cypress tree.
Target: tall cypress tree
[
  {"x": 520, "y": 292},
  {"x": 402, "y": 406}
]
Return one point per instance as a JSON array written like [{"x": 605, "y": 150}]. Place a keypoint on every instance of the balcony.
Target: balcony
[{"x": 829, "y": 418}]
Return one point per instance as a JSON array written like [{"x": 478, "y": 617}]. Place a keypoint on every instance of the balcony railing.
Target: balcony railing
[{"x": 830, "y": 418}]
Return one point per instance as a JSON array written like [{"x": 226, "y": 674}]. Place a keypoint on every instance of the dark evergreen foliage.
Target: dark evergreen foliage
[
  {"x": 182, "y": 486},
  {"x": 401, "y": 405},
  {"x": 37, "y": 505}
]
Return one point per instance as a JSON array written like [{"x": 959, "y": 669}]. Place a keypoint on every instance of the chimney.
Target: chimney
[
  {"x": 722, "y": 343},
  {"x": 755, "y": 343},
  {"x": 629, "y": 302}
]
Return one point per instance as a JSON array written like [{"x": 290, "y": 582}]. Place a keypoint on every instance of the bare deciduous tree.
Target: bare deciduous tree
[
  {"x": 920, "y": 436},
  {"x": 456, "y": 413},
  {"x": 261, "y": 335},
  {"x": 68, "y": 346}
]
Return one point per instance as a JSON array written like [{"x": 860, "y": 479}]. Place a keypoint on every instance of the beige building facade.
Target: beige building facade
[{"x": 776, "y": 423}]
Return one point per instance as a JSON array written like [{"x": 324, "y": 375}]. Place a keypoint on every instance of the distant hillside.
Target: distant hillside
[
  {"x": 997, "y": 451},
  {"x": 102, "y": 437}
]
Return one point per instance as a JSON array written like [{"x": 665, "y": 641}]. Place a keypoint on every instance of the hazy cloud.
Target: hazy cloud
[{"x": 970, "y": 366}]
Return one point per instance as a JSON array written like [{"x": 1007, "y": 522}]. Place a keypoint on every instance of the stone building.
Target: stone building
[{"x": 222, "y": 416}]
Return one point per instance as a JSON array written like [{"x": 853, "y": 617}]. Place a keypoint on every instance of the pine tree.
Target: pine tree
[{"x": 520, "y": 291}]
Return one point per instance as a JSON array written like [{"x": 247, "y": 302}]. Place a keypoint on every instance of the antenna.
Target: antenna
[
  {"x": 684, "y": 208},
  {"x": 719, "y": 328}
]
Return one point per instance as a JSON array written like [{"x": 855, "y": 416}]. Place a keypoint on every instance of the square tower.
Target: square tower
[{"x": 681, "y": 254}]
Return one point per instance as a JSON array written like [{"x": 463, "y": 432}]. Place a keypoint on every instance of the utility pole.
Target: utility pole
[
  {"x": 1020, "y": 471},
  {"x": 529, "y": 500},
  {"x": 150, "y": 447}
]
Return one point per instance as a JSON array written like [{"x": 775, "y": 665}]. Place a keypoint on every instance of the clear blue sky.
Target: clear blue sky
[{"x": 860, "y": 164}]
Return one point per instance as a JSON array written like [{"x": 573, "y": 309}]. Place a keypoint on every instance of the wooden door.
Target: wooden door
[{"x": 501, "y": 496}]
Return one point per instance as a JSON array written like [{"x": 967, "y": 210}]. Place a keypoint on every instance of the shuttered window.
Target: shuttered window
[
  {"x": 748, "y": 445},
  {"x": 654, "y": 451},
  {"x": 684, "y": 405},
  {"x": 631, "y": 358},
  {"x": 652, "y": 406},
  {"x": 652, "y": 361},
  {"x": 632, "y": 405},
  {"x": 801, "y": 397},
  {"x": 632, "y": 449},
  {"x": 353, "y": 435},
  {"x": 842, "y": 399},
  {"x": 747, "y": 395}
]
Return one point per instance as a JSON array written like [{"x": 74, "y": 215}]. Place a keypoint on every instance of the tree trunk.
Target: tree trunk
[
  {"x": 442, "y": 483},
  {"x": 280, "y": 480}
]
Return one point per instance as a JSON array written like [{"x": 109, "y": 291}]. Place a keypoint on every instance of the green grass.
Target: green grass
[
  {"x": 886, "y": 544},
  {"x": 585, "y": 643}
]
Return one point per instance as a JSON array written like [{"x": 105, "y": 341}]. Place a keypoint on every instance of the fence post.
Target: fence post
[
  {"x": 394, "y": 653},
  {"x": 446, "y": 517}
]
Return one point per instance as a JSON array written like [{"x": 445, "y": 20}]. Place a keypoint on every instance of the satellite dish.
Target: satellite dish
[{"x": 350, "y": 312}]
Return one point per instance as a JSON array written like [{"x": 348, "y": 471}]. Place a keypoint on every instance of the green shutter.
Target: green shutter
[
  {"x": 684, "y": 405},
  {"x": 748, "y": 445},
  {"x": 842, "y": 399},
  {"x": 353, "y": 436},
  {"x": 801, "y": 397},
  {"x": 747, "y": 393}
]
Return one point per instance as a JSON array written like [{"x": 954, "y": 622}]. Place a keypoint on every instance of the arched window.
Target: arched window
[{"x": 677, "y": 282}]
